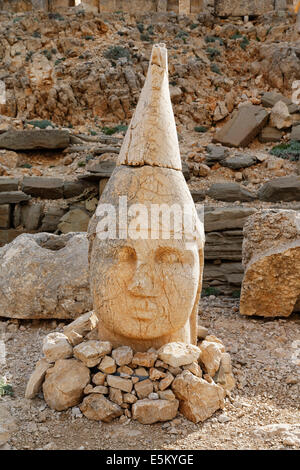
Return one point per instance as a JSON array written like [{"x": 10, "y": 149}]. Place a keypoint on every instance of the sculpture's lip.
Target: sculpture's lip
[{"x": 144, "y": 314}]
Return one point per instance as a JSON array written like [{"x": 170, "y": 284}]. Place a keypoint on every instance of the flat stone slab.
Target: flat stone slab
[
  {"x": 270, "y": 98},
  {"x": 270, "y": 134},
  {"x": 237, "y": 162},
  {"x": 37, "y": 139},
  {"x": 103, "y": 169},
  {"x": 226, "y": 218},
  {"x": 8, "y": 184},
  {"x": 13, "y": 197},
  {"x": 230, "y": 192},
  {"x": 244, "y": 126},
  {"x": 47, "y": 188},
  {"x": 284, "y": 189}
]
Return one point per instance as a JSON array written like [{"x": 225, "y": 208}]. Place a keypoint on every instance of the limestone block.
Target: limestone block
[
  {"x": 271, "y": 257},
  {"x": 152, "y": 411},
  {"x": 91, "y": 352},
  {"x": 77, "y": 330},
  {"x": 122, "y": 355},
  {"x": 99, "y": 408},
  {"x": 198, "y": 398},
  {"x": 56, "y": 346},
  {"x": 178, "y": 354},
  {"x": 64, "y": 384}
]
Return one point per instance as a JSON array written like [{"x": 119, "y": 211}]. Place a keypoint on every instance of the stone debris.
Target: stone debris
[
  {"x": 198, "y": 398},
  {"x": 56, "y": 346},
  {"x": 76, "y": 331},
  {"x": 37, "y": 377},
  {"x": 178, "y": 354},
  {"x": 113, "y": 391},
  {"x": 91, "y": 352},
  {"x": 280, "y": 117},
  {"x": 64, "y": 384},
  {"x": 271, "y": 257}
]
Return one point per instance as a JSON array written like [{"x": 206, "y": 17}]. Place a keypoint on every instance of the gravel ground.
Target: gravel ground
[{"x": 266, "y": 359}]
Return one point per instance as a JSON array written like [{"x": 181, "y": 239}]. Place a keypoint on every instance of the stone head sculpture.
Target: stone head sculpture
[{"x": 145, "y": 239}]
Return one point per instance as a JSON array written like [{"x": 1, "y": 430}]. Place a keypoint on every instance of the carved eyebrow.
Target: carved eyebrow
[{"x": 167, "y": 251}]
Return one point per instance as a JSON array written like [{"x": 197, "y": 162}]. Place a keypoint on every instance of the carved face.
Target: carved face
[{"x": 144, "y": 289}]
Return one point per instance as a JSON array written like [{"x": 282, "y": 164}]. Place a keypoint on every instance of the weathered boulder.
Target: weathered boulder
[
  {"x": 64, "y": 384},
  {"x": 45, "y": 276},
  {"x": 198, "y": 399},
  {"x": 152, "y": 411},
  {"x": 243, "y": 127},
  {"x": 178, "y": 354},
  {"x": 286, "y": 188},
  {"x": 210, "y": 356},
  {"x": 271, "y": 256},
  {"x": 99, "y": 408},
  {"x": 230, "y": 192},
  {"x": 36, "y": 139},
  {"x": 56, "y": 346},
  {"x": 37, "y": 378}
]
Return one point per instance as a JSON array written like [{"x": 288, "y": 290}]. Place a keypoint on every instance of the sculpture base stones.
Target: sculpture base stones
[{"x": 150, "y": 387}]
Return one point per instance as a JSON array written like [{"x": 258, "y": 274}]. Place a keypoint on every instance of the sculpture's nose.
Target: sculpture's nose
[{"x": 142, "y": 284}]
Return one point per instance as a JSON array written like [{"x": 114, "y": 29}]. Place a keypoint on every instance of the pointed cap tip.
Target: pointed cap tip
[{"x": 159, "y": 56}]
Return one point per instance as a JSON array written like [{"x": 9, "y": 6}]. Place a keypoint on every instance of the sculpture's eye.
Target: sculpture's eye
[
  {"x": 126, "y": 253},
  {"x": 168, "y": 256}
]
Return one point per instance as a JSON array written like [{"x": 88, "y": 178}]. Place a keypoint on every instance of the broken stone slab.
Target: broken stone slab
[
  {"x": 122, "y": 355},
  {"x": 76, "y": 220},
  {"x": 78, "y": 329},
  {"x": 5, "y": 213},
  {"x": 46, "y": 188},
  {"x": 226, "y": 245},
  {"x": 56, "y": 284},
  {"x": 198, "y": 195},
  {"x": 35, "y": 139},
  {"x": 77, "y": 188},
  {"x": 64, "y": 384},
  {"x": 239, "y": 161},
  {"x": 125, "y": 385},
  {"x": 152, "y": 411},
  {"x": 230, "y": 192},
  {"x": 271, "y": 257},
  {"x": 9, "y": 184},
  {"x": 91, "y": 352},
  {"x": 37, "y": 378},
  {"x": 270, "y": 134},
  {"x": 56, "y": 346},
  {"x": 99, "y": 408},
  {"x": 178, "y": 354},
  {"x": 224, "y": 274},
  {"x": 13, "y": 197},
  {"x": 103, "y": 169},
  {"x": 210, "y": 356},
  {"x": 226, "y": 218},
  {"x": 286, "y": 188},
  {"x": 270, "y": 98},
  {"x": 244, "y": 126},
  {"x": 198, "y": 399},
  {"x": 216, "y": 154}
]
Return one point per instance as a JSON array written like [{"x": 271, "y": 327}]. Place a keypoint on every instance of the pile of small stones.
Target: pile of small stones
[{"x": 152, "y": 386}]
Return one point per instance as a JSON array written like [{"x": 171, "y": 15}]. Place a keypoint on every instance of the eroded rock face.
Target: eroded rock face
[
  {"x": 64, "y": 384},
  {"x": 271, "y": 256},
  {"x": 198, "y": 398},
  {"x": 44, "y": 276}
]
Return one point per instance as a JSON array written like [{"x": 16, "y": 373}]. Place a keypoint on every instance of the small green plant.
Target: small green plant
[
  {"x": 41, "y": 124},
  {"x": 194, "y": 25},
  {"x": 209, "y": 39},
  {"x": 210, "y": 291},
  {"x": 214, "y": 68},
  {"x": 89, "y": 157},
  {"x": 53, "y": 50},
  {"x": 244, "y": 43},
  {"x": 236, "y": 35},
  {"x": 93, "y": 132},
  {"x": 81, "y": 163},
  {"x": 36, "y": 34},
  {"x": 58, "y": 61},
  {"x": 289, "y": 151},
  {"x": 26, "y": 165},
  {"x": 5, "y": 388},
  {"x": 145, "y": 37},
  {"x": 140, "y": 27},
  {"x": 114, "y": 130},
  {"x": 182, "y": 35},
  {"x": 89, "y": 38},
  {"x": 236, "y": 294},
  {"x": 47, "y": 54},
  {"x": 56, "y": 16},
  {"x": 114, "y": 53},
  {"x": 212, "y": 52},
  {"x": 28, "y": 56},
  {"x": 200, "y": 129}
]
